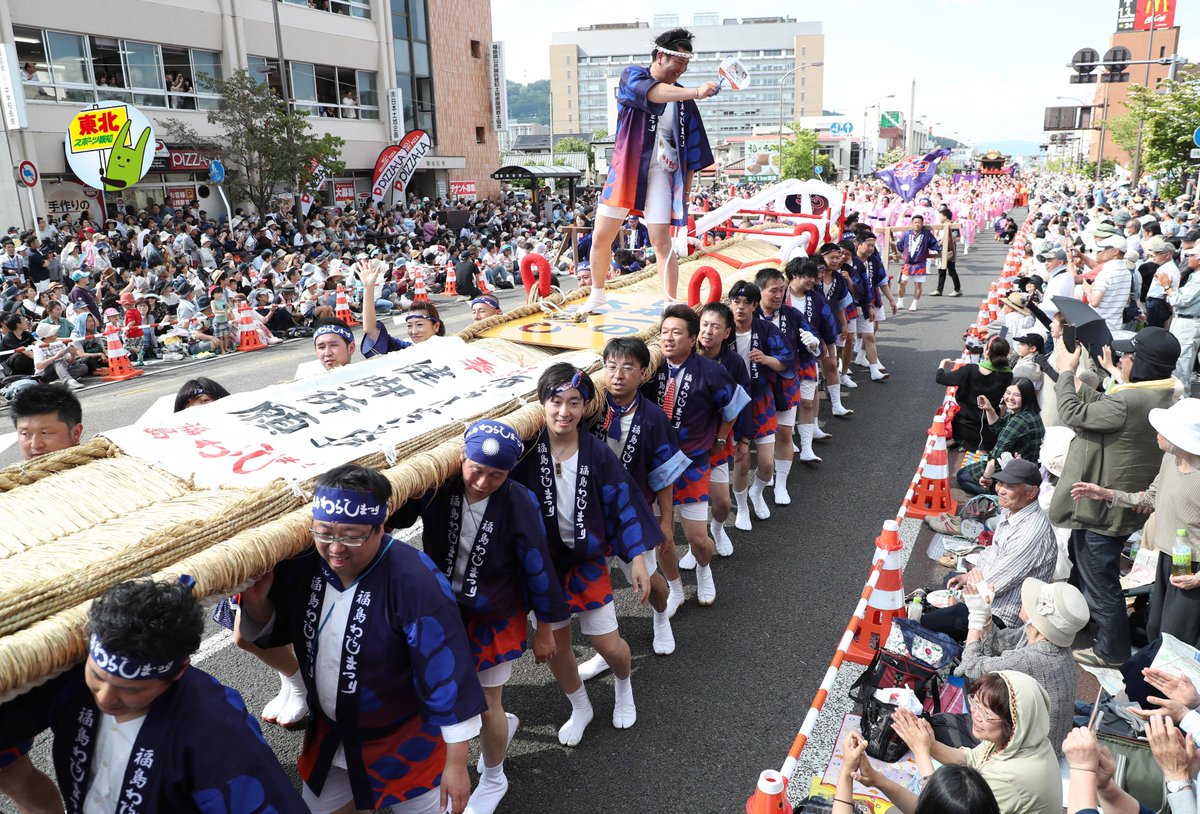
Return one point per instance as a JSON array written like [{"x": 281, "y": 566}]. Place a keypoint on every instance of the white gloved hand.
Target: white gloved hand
[
  {"x": 811, "y": 342},
  {"x": 979, "y": 606}
]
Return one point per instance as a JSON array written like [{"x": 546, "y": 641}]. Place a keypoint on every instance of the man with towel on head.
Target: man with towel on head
[
  {"x": 137, "y": 729},
  {"x": 485, "y": 531},
  {"x": 392, "y": 689}
]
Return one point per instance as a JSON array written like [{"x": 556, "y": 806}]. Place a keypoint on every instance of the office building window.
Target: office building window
[
  {"x": 476, "y": 49},
  {"x": 480, "y": 135},
  {"x": 63, "y": 67},
  {"x": 352, "y": 8},
  {"x": 322, "y": 90}
]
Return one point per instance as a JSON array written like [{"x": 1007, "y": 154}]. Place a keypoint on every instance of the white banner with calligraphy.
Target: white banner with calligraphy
[{"x": 300, "y": 429}]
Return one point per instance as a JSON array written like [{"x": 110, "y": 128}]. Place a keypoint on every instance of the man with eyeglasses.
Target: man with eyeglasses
[
  {"x": 486, "y": 533},
  {"x": 392, "y": 689}
]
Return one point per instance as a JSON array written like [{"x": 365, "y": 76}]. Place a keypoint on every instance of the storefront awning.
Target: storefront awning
[{"x": 519, "y": 172}]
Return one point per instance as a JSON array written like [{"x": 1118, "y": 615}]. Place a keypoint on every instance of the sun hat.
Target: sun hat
[
  {"x": 1016, "y": 301},
  {"x": 1055, "y": 444},
  {"x": 46, "y": 330},
  {"x": 1179, "y": 424},
  {"x": 1057, "y": 610}
]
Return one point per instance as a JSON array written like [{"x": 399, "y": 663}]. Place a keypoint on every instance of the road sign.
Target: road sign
[
  {"x": 1195, "y": 153},
  {"x": 216, "y": 171},
  {"x": 28, "y": 173},
  {"x": 1196, "y": 137},
  {"x": 841, "y": 128}
]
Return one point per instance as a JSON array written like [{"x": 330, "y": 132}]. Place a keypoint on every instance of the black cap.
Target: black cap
[
  {"x": 1154, "y": 345},
  {"x": 745, "y": 289},
  {"x": 1018, "y": 470},
  {"x": 1035, "y": 341},
  {"x": 1192, "y": 236}
]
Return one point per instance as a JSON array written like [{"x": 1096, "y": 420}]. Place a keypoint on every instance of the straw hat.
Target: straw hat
[
  {"x": 1016, "y": 301},
  {"x": 1058, "y": 610},
  {"x": 1179, "y": 424}
]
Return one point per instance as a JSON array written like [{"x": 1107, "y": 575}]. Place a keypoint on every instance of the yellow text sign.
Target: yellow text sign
[
  {"x": 96, "y": 129},
  {"x": 624, "y": 315}
]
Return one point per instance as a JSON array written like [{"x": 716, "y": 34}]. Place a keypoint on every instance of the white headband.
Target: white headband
[{"x": 669, "y": 52}]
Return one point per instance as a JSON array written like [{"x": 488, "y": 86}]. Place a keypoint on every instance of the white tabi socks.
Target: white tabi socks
[
  {"x": 805, "y": 431},
  {"x": 624, "y": 711},
  {"x": 724, "y": 544},
  {"x": 759, "y": 504},
  {"x": 782, "y": 468},
  {"x": 835, "y": 400},
  {"x": 742, "y": 522},
  {"x": 571, "y": 733}
]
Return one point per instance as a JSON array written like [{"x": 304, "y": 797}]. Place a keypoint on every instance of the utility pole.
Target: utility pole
[{"x": 912, "y": 111}]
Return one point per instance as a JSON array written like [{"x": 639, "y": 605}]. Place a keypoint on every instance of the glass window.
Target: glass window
[
  {"x": 265, "y": 70},
  {"x": 144, "y": 68},
  {"x": 418, "y": 17},
  {"x": 31, "y": 54},
  {"x": 106, "y": 63},
  {"x": 206, "y": 67},
  {"x": 68, "y": 58},
  {"x": 403, "y": 61},
  {"x": 368, "y": 95},
  {"x": 424, "y": 107},
  {"x": 421, "y": 59},
  {"x": 303, "y": 81}
]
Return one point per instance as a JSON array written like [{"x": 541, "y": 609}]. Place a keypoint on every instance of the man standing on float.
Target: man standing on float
[{"x": 660, "y": 145}]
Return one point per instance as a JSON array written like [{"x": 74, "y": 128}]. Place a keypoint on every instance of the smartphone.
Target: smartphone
[{"x": 1069, "y": 339}]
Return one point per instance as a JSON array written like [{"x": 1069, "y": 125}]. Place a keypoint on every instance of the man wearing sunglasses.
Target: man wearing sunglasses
[{"x": 391, "y": 681}]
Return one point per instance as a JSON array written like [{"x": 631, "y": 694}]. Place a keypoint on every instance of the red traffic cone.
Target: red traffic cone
[
  {"x": 482, "y": 282},
  {"x": 887, "y": 598},
  {"x": 341, "y": 307},
  {"x": 931, "y": 494},
  {"x": 248, "y": 338},
  {"x": 451, "y": 289},
  {"x": 119, "y": 368},
  {"x": 770, "y": 795}
]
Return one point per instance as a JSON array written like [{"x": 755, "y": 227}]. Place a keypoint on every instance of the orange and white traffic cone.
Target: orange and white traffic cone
[
  {"x": 341, "y": 307},
  {"x": 886, "y": 601},
  {"x": 248, "y": 338},
  {"x": 119, "y": 368},
  {"x": 451, "y": 289},
  {"x": 770, "y": 795},
  {"x": 931, "y": 494},
  {"x": 419, "y": 292},
  {"x": 482, "y": 283}
]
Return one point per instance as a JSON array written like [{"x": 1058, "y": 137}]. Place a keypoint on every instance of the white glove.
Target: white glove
[
  {"x": 979, "y": 607},
  {"x": 811, "y": 342}
]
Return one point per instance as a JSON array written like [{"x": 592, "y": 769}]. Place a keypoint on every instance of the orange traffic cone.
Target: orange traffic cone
[
  {"x": 248, "y": 338},
  {"x": 482, "y": 283},
  {"x": 887, "y": 598},
  {"x": 451, "y": 289},
  {"x": 770, "y": 795},
  {"x": 931, "y": 494},
  {"x": 341, "y": 307},
  {"x": 419, "y": 293},
  {"x": 119, "y": 368}
]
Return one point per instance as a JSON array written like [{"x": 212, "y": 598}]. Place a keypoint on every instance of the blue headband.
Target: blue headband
[
  {"x": 344, "y": 333},
  {"x": 492, "y": 443},
  {"x": 486, "y": 300},
  {"x": 579, "y": 382},
  {"x": 333, "y": 505},
  {"x": 131, "y": 668}
]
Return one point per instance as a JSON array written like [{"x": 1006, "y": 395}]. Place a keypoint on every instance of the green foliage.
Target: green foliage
[
  {"x": 270, "y": 147},
  {"x": 599, "y": 133},
  {"x": 570, "y": 144},
  {"x": 800, "y": 156},
  {"x": 1088, "y": 168},
  {"x": 1123, "y": 128},
  {"x": 890, "y": 157},
  {"x": 1169, "y": 114},
  {"x": 529, "y": 103}
]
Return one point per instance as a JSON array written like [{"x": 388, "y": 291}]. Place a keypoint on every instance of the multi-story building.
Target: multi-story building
[
  {"x": 341, "y": 57},
  {"x": 785, "y": 59}
]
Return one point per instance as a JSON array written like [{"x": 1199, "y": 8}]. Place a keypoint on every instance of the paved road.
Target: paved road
[{"x": 727, "y": 704}]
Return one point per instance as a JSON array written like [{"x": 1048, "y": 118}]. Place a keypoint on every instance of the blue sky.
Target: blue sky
[{"x": 984, "y": 70}]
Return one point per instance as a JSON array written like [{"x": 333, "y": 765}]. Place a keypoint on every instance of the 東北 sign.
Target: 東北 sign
[{"x": 110, "y": 146}]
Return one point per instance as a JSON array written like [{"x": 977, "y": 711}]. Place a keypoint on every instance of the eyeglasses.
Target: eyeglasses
[
  {"x": 625, "y": 370},
  {"x": 350, "y": 541},
  {"x": 980, "y": 713}
]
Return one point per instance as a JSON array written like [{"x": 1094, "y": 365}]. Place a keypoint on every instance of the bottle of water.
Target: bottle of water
[{"x": 1181, "y": 555}]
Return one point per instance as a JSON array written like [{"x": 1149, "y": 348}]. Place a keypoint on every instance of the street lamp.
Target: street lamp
[{"x": 801, "y": 66}]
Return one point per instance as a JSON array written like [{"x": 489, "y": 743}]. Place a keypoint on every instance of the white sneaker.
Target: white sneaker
[
  {"x": 913, "y": 307},
  {"x": 592, "y": 667},
  {"x": 688, "y": 561},
  {"x": 75, "y": 384},
  {"x": 900, "y": 303},
  {"x": 664, "y": 637},
  {"x": 848, "y": 382},
  {"x": 706, "y": 589},
  {"x": 513, "y": 723}
]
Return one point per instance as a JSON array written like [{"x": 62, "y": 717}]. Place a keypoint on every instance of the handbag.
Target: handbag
[
  {"x": 1137, "y": 770},
  {"x": 888, "y": 671}
]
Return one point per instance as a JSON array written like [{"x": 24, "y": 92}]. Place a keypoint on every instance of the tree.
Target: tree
[
  {"x": 570, "y": 144},
  {"x": 1169, "y": 115},
  {"x": 271, "y": 147},
  {"x": 890, "y": 157},
  {"x": 529, "y": 103},
  {"x": 800, "y": 156},
  {"x": 1123, "y": 128}
]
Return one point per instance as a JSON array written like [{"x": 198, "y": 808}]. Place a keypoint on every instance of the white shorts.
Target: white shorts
[
  {"x": 658, "y": 199},
  {"x": 788, "y": 417},
  {"x": 864, "y": 325},
  {"x": 336, "y": 793},
  {"x": 650, "y": 558},
  {"x": 719, "y": 474},
  {"x": 691, "y": 511},
  {"x": 881, "y": 312},
  {"x": 595, "y": 622},
  {"x": 808, "y": 389},
  {"x": 496, "y": 676}
]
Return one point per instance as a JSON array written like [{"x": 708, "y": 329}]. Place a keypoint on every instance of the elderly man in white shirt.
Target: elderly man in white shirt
[
  {"x": 1109, "y": 293},
  {"x": 1166, "y": 276}
]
